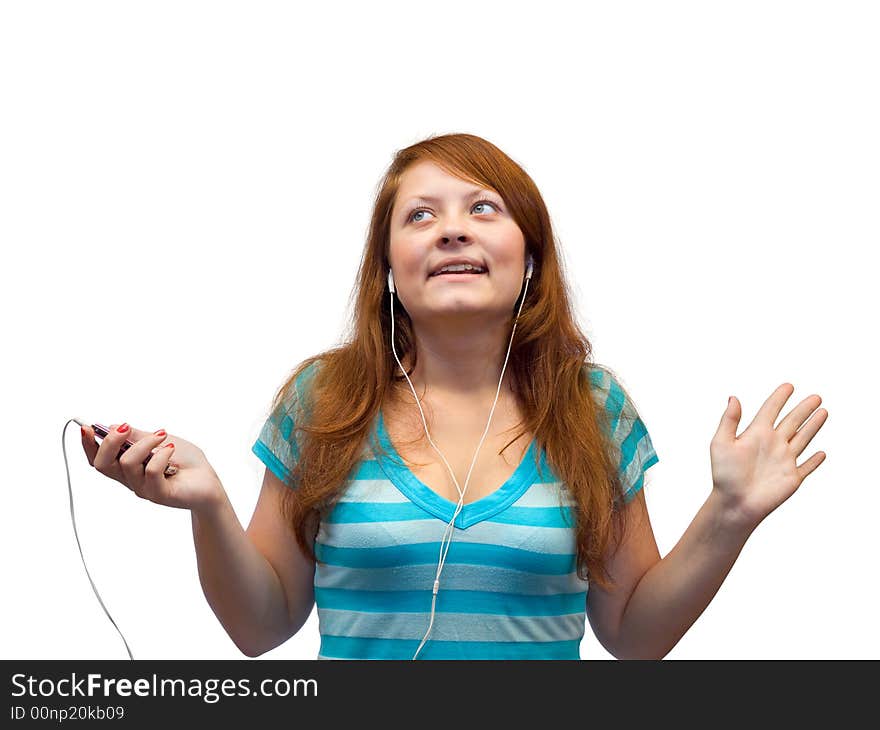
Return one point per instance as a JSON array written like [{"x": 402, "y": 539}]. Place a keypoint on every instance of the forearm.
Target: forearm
[
  {"x": 676, "y": 590},
  {"x": 241, "y": 586}
]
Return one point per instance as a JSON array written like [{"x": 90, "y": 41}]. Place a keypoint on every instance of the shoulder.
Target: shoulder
[
  {"x": 298, "y": 385},
  {"x": 613, "y": 398},
  {"x": 599, "y": 375},
  {"x": 606, "y": 385}
]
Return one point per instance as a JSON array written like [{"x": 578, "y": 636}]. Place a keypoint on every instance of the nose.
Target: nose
[
  {"x": 461, "y": 237},
  {"x": 455, "y": 227}
]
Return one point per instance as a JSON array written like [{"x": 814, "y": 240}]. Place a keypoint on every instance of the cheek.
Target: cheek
[
  {"x": 508, "y": 248},
  {"x": 411, "y": 270},
  {"x": 404, "y": 256}
]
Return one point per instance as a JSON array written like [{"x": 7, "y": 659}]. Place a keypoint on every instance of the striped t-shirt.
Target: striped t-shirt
[{"x": 509, "y": 587}]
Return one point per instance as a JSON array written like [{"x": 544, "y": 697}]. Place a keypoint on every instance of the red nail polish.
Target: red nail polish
[
  {"x": 160, "y": 432},
  {"x": 123, "y": 428}
]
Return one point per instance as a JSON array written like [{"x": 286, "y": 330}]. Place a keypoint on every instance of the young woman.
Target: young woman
[{"x": 459, "y": 480}]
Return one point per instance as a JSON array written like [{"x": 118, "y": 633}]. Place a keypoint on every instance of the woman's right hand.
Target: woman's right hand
[{"x": 195, "y": 486}]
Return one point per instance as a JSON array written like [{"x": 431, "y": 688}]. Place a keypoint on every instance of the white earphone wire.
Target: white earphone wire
[
  {"x": 76, "y": 535},
  {"x": 450, "y": 528}
]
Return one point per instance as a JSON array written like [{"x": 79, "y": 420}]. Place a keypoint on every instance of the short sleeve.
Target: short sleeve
[
  {"x": 629, "y": 436},
  {"x": 277, "y": 446}
]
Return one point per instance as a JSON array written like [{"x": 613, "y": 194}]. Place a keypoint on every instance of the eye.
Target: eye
[
  {"x": 484, "y": 202},
  {"x": 425, "y": 210}
]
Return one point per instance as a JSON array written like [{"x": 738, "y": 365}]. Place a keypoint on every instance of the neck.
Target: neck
[{"x": 454, "y": 365}]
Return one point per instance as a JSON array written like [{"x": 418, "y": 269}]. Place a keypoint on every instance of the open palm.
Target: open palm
[{"x": 757, "y": 471}]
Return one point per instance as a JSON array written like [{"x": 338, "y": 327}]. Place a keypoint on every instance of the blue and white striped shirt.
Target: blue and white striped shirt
[{"x": 509, "y": 587}]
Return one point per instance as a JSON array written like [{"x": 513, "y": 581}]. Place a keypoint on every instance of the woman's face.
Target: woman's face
[{"x": 437, "y": 217}]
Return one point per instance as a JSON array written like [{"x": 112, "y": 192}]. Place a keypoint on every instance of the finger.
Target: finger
[
  {"x": 730, "y": 420},
  {"x": 769, "y": 412},
  {"x": 108, "y": 451},
  {"x": 90, "y": 446},
  {"x": 135, "y": 434},
  {"x": 809, "y": 466},
  {"x": 154, "y": 481},
  {"x": 131, "y": 462},
  {"x": 794, "y": 420},
  {"x": 803, "y": 437}
]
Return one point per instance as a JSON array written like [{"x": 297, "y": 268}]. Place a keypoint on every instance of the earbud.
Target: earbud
[{"x": 390, "y": 281}]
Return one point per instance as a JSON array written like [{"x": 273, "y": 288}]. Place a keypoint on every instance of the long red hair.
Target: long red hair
[{"x": 548, "y": 362}]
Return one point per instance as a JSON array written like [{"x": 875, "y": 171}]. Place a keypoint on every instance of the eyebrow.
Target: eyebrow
[{"x": 468, "y": 196}]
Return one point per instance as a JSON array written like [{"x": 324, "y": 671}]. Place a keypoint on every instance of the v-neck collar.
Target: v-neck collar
[{"x": 423, "y": 496}]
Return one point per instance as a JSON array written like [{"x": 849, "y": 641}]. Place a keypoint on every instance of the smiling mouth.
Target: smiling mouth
[{"x": 458, "y": 275}]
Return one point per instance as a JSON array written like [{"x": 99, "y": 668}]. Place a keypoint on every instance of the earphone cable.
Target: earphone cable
[
  {"x": 76, "y": 535},
  {"x": 450, "y": 528}
]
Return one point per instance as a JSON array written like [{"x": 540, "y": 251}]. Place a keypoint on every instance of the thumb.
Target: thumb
[
  {"x": 136, "y": 434},
  {"x": 730, "y": 419}
]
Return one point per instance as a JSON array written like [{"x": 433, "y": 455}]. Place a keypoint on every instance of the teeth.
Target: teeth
[{"x": 459, "y": 267}]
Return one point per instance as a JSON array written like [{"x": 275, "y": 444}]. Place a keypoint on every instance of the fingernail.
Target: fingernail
[
  {"x": 123, "y": 428},
  {"x": 160, "y": 432},
  {"x": 168, "y": 446}
]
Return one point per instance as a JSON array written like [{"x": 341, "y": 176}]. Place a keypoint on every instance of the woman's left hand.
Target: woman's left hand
[{"x": 756, "y": 472}]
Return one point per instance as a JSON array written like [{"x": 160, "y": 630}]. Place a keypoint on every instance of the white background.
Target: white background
[{"x": 185, "y": 192}]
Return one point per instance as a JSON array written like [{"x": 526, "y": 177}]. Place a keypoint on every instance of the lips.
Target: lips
[
  {"x": 485, "y": 270},
  {"x": 456, "y": 261},
  {"x": 447, "y": 273},
  {"x": 457, "y": 276}
]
